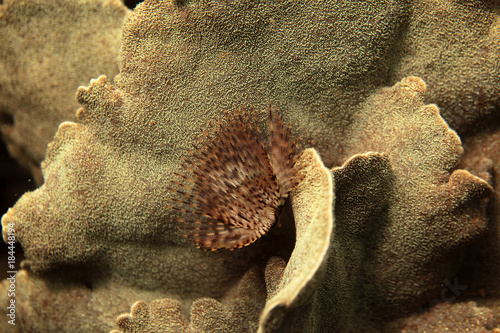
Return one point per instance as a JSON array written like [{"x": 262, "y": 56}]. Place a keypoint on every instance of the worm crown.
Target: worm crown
[{"x": 231, "y": 189}]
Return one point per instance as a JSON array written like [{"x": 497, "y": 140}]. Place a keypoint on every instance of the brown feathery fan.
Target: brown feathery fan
[{"x": 232, "y": 189}]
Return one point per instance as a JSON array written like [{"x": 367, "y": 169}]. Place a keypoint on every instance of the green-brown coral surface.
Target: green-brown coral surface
[
  {"x": 47, "y": 50},
  {"x": 363, "y": 244}
]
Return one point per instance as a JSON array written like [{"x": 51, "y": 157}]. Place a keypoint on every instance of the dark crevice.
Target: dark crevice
[
  {"x": 6, "y": 119},
  {"x": 131, "y": 4}
]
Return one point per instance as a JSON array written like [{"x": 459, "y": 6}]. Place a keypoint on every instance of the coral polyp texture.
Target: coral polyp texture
[
  {"x": 392, "y": 206},
  {"x": 47, "y": 50},
  {"x": 232, "y": 190}
]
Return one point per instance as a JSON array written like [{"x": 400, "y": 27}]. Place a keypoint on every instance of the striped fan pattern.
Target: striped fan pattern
[{"x": 231, "y": 189}]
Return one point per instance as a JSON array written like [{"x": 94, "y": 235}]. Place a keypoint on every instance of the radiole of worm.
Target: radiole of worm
[{"x": 231, "y": 189}]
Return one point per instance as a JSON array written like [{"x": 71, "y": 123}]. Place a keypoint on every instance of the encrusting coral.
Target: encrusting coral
[
  {"x": 47, "y": 50},
  {"x": 238, "y": 314},
  {"x": 291, "y": 286},
  {"x": 409, "y": 207},
  {"x": 453, "y": 46},
  {"x": 356, "y": 247},
  {"x": 445, "y": 317}
]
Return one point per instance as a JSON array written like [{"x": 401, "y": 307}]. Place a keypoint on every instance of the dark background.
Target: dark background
[{"x": 14, "y": 181}]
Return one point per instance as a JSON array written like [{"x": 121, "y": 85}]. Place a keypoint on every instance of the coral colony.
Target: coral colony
[
  {"x": 395, "y": 107},
  {"x": 232, "y": 186}
]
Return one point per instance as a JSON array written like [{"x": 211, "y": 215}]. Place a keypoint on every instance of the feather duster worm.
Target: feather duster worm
[{"x": 232, "y": 189}]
